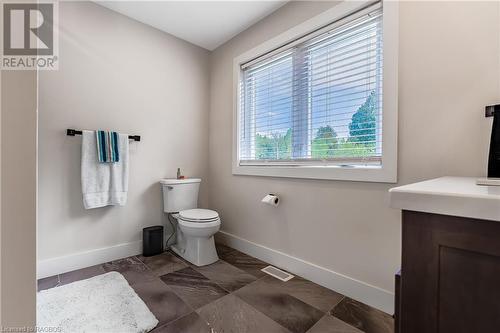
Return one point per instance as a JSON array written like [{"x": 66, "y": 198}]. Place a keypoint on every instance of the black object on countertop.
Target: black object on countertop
[
  {"x": 494, "y": 155},
  {"x": 152, "y": 240}
]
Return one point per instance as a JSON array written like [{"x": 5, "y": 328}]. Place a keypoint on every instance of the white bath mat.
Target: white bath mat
[{"x": 104, "y": 303}]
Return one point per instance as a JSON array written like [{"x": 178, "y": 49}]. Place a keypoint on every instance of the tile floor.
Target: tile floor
[{"x": 233, "y": 295}]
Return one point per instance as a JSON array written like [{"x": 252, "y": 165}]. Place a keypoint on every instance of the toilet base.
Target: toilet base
[{"x": 197, "y": 250}]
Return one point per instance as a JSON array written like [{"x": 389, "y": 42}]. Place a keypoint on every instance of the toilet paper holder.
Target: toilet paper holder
[{"x": 271, "y": 199}]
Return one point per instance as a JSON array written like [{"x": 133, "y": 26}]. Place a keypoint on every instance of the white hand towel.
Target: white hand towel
[{"x": 103, "y": 184}]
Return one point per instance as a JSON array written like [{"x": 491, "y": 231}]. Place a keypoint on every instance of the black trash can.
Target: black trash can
[{"x": 152, "y": 240}]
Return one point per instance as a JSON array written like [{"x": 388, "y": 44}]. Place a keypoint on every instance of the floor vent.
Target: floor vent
[{"x": 277, "y": 273}]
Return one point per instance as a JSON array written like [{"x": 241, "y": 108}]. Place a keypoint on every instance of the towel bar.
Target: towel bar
[{"x": 73, "y": 132}]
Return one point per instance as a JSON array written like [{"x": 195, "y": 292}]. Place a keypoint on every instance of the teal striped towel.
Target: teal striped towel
[{"x": 107, "y": 147}]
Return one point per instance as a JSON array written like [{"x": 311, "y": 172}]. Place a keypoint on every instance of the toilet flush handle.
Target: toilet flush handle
[{"x": 170, "y": 187}]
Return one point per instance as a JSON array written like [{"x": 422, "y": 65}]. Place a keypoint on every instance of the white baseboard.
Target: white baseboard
[
  {"x": 355, "y": 289},
  {"x": 59, "y": 265}
]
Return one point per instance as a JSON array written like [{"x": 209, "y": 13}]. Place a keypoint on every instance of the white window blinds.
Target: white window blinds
[{"x": 317, "y": 100}]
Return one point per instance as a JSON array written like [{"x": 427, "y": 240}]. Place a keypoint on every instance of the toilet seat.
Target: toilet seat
[
  {"x": 199, "y": 225},
  {"x": 198, "y": 216}
]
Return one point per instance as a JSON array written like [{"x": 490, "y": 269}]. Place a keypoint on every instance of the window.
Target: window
[{"x": 316, "y": 104}]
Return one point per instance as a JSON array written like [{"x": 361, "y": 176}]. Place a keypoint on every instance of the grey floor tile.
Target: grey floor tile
[
  {"x": 329, "y": 324},
  {"x": 187, "y": 263},
  {"x": 172, "y": 288},
  {"x": 309, "y": 292},
  {"x": 193, "y": 287},
  {"x": 364, "y": 317},
  {"x": 81, "y": 274},
  {"x": 48, "y": 282},
  {"x": 225, "y": 275},
  {"x": 132, "y": 269},
  {"x": 287, "y": 310},
  {"x": 192, "y": 323},
  {"x": 163, "y": 302},
  {"x": 245, "y": 262},
  {"x": 163, "y": 263},
  {"x": 223, "y": 249},
  {"x": 232, "y": 315}
]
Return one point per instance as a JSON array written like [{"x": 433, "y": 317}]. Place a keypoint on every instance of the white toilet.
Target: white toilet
[{"x": 195, "y": 227}]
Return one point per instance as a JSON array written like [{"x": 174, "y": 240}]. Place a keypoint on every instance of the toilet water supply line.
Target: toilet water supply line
[{"x": 169, "y": 215}]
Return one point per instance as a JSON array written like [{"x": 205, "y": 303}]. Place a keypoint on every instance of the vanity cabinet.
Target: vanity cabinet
[{"x": 450, "y": 267}]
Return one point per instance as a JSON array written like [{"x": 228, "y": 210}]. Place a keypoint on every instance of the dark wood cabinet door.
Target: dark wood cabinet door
[
  {"x": 451, "y": 268},
  {"x": 397, "y": 302}
]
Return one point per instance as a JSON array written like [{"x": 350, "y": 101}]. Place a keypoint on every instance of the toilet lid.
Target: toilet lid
[{"x": 198, "y": 215}]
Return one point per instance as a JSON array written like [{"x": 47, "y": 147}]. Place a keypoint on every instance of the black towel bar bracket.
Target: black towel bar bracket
[{"x": 73, "y": 132}]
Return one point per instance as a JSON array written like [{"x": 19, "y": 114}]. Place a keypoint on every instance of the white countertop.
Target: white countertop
[{"x": 456, "y": 196}]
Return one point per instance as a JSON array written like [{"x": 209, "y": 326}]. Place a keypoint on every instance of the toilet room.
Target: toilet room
[{"x": 250, "y": 166}]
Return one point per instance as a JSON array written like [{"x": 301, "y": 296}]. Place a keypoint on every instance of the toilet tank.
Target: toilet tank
[{"x": 180, "y": 194}]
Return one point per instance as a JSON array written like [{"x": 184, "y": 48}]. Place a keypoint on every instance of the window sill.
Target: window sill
[{"x": 376, "y": 174}]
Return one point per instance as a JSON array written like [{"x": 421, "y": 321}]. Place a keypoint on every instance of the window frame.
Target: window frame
[{"x": 387, "y": 171}]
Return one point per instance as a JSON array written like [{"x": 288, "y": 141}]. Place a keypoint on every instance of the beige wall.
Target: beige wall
[
  {"x": 116, "y": 73},
  {"x": 18, "y": 102},
  {"x": 448, "y": 71},
  {"x": 18, "y": 187}
]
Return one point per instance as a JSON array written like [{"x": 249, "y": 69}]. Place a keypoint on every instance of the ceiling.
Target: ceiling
[{"x": 208, "y": 24}]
